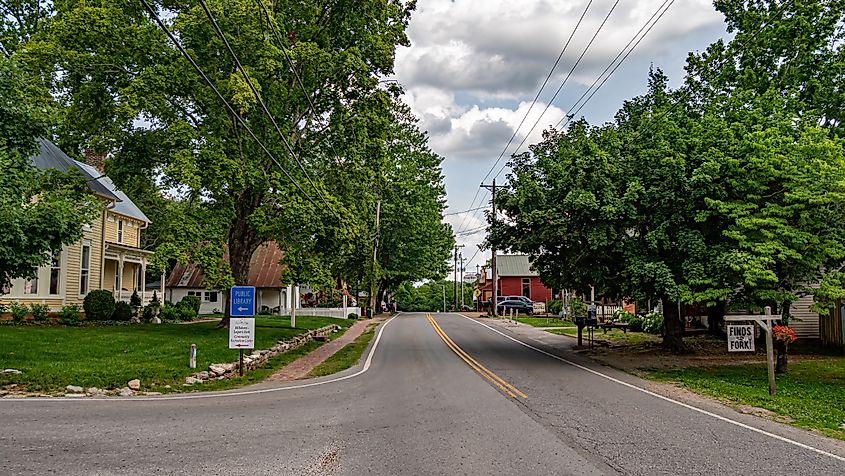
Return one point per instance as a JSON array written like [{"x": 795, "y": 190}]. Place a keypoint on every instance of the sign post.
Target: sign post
[
  {"x": 242, "y": 322},
  {"x": 765, "y": 322}
]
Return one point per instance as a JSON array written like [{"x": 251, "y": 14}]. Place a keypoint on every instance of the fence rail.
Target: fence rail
[{"x": 336, "y": 312}]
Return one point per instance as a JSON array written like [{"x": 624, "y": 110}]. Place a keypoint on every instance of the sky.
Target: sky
[{"x": 474, "y": 67}]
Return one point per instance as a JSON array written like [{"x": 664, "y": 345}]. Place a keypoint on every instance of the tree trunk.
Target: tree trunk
[
  {"x": 242, "y": 242},
  {"x": 781, "y": 347},
  {"x": 673, "y": 335},
  {"x": 379, "y": 297},
  {"x": 715, "y": 317}
]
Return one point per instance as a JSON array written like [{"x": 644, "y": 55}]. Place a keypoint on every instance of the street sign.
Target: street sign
[
  {"x": 539, "y": 307},
  {"x": 741, "y": 338},
  {"x": 477, "y": 292},
  {"x": 241, "y": 333},
  {"x": 242, "y": 302}
]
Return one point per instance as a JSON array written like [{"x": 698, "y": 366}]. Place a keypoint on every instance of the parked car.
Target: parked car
[
  {"x": 511, "y": 298},
  {"x": 518, "y": 306}
]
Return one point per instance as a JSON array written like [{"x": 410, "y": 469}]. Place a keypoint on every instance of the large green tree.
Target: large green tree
[{"x": 40, "y": 211}]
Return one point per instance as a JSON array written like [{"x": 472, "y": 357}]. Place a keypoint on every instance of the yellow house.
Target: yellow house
[{"x": 107, "y": 257}]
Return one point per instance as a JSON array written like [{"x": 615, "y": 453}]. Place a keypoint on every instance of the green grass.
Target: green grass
[
  {"x": 811, "y": 394},
  {"x": 346, "y": 357},
  {"x": 543, "y": 321},
  {"x": 613, "y": 336},
  {"x": 108, "y": 357}
]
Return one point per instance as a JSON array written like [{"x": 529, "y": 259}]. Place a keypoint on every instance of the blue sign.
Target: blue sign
[{"x": 242, "y": 301}]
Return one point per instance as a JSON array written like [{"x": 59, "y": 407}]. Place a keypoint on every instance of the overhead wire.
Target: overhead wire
[
  {"x": 563, "y": 83},
  {"x": 264, "y": 108},
  {"x": 229, "y": 107},
  {"x": 533, "y": 102}
]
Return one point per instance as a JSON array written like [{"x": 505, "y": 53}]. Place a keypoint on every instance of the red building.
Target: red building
[{"x": 516, "y": 278}]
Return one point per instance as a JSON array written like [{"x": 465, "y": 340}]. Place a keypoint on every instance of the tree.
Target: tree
[
  {"x": 40, "y": 211},
  {"x": 110, "y": 65}
]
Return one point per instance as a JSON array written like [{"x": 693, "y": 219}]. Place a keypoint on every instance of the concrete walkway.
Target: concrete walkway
[{"x": 302, "y": 366}]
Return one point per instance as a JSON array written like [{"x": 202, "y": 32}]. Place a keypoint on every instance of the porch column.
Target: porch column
[
  {"x": 119, "y": 280},
  {"x": 143, "y": 280},
  {"x": 289, "y": 297}
]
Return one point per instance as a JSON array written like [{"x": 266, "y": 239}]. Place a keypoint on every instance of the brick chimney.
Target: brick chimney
[{"x": 96, "y": 160}]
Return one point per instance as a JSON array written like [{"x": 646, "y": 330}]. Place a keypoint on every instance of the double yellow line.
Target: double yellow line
[{"x": 482, "y": 370}]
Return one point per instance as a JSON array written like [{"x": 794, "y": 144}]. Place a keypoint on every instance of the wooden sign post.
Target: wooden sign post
[{"x": 765, "y": 322}]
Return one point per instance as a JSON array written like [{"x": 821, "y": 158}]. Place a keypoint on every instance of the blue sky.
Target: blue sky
[{"x": 474, "y": 66}]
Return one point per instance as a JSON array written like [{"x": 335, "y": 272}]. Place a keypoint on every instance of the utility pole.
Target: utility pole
[
  {"x": 455, "y": 277},
  {"x": 494, "y": 301},
  {"x": 462, "y": 281},
  {"x": 373, "y": 280}
]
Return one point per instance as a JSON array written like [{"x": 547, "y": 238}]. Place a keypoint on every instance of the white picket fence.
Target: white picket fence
[{"x": 336, "y": 312}]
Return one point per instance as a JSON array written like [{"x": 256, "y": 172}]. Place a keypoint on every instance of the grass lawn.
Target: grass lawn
[
  {"x": 613, "y": 336},
  {"x": 811, "y": 395},
  {"x": 347, "y": 356},
  {"x": 108, "y": 357},
  {"x": 543, "y": 321}
]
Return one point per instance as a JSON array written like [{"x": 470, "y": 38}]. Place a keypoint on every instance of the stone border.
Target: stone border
[{"x": 259, "y": 357}]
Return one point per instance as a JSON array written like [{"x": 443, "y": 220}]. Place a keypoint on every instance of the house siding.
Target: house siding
[
  {"x": 512, "y": 286},
  {"x": 804, "y": 321}
]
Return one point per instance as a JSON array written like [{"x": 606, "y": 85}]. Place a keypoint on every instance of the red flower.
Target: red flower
[{"x": 784, "y": 333}]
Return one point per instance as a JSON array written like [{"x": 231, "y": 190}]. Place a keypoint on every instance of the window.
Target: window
[
  {"x": 116, "y": 286},
  {"x": 85, "y": 268},
  {"x": 195, "y": 293},
  {"x": 31, "y": 284},
  {"x": 526, "y": 287},
  {"x": 211, "y": 296},
  {"x": 55, "y": 271},
  {"x": 138, "y": 275},
  {"x": 120, "y": 231}
]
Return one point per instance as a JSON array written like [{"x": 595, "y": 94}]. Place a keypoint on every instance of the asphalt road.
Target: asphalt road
[{"x": 418, "y": 409}]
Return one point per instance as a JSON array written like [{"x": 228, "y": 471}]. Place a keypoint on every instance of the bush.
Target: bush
[
  {"x": 150, "y": 311},
  {"x": 622, "y": 315},
  {"x": 352, "y": 315},
  {"x": 39, "y": 311},
  {"x": 69, "y": 315},
  {"x": 555, "y": 306},
  {"x": 19, "y": 311},
  {"x": 98, "y": 305},
  {"x": 135, "y": 301},
  {"x": 168, "y": 312},
  {"x": 653, "y": 323},
  {"x": 193, "y": 302},
  {"x": 122, "y": 312},
  {"x": 635, "y": 324}
]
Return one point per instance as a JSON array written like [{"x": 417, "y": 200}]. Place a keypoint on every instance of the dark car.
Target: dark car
[{"x": 518, "y": 306}]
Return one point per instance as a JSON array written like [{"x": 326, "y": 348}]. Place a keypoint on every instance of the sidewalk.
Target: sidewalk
[{"x": 300, "y": 367}]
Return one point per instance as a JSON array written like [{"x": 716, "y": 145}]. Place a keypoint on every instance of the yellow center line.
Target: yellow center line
[{"x": 474, "y": 364}]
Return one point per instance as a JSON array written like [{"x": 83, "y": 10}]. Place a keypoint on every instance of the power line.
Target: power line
[
  {"x": 533, "y": 102},
  {"x": 463, "y": 211},
  {"x": 293, "y": 69},
  {"x": 264, "y": 108},
  {"x": 571, "y": 114},
  {"x": 565, "y": 80},
  {"x": 229, "y": 107}
]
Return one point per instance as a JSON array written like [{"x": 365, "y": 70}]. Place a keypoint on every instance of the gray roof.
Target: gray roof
[
  {"x": 51, "y": 157},
  {"x": 514, "y": 265}
]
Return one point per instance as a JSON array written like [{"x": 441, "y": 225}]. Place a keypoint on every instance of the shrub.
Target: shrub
[
  {"x": 555, "y": 306},
  {"x": 352, "y": 315},
  {"x": 168, "y": 312},
  {"x": 150, "y": 311},
  {"x": 69, "y": 315},
  {"x": 135, "y": 301},
  {"x": 653, "y": 323},
  {"x": 622, "y": 315},
  {"x": 122, "y": 312},
  {"x": 19, "y": 311},
  {"x": 635, "y": 324},
  {"x": 192, "y": 301},
  {"x": 98, "y": 305},
  {"x": 39, "y": 311}
]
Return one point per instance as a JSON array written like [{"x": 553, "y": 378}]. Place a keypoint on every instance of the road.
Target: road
[{"x": 450, "y": 395}]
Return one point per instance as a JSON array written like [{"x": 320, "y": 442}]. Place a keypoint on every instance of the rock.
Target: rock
[
  {"x": 217, "y": 369},
  {"x": 125, "y": 392},
  {"x": 202, "y": 375},
  {"x": 156, "y": 320},
  {"x": 134, "y": 384},
  {"x": 192, "y": 380},
  {"x": 152, "y": 394},
  {"x": 74, "y": 395},
  {"x": 94, "y": 391},
  {"x": 74, "y": 389},
  {"x": 11, "y": 372}
]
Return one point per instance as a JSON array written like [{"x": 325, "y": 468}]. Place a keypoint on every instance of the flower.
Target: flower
[{"x": 784, "y": 333}]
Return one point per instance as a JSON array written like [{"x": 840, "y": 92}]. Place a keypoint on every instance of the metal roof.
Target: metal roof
[
  {"x": 51, "y": 157},
  {"x": 514, "y": 265},
  {"x": 265, "y": 270}
]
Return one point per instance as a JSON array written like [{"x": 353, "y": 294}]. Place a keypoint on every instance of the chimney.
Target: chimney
[{"x": 96, "y": 160}]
